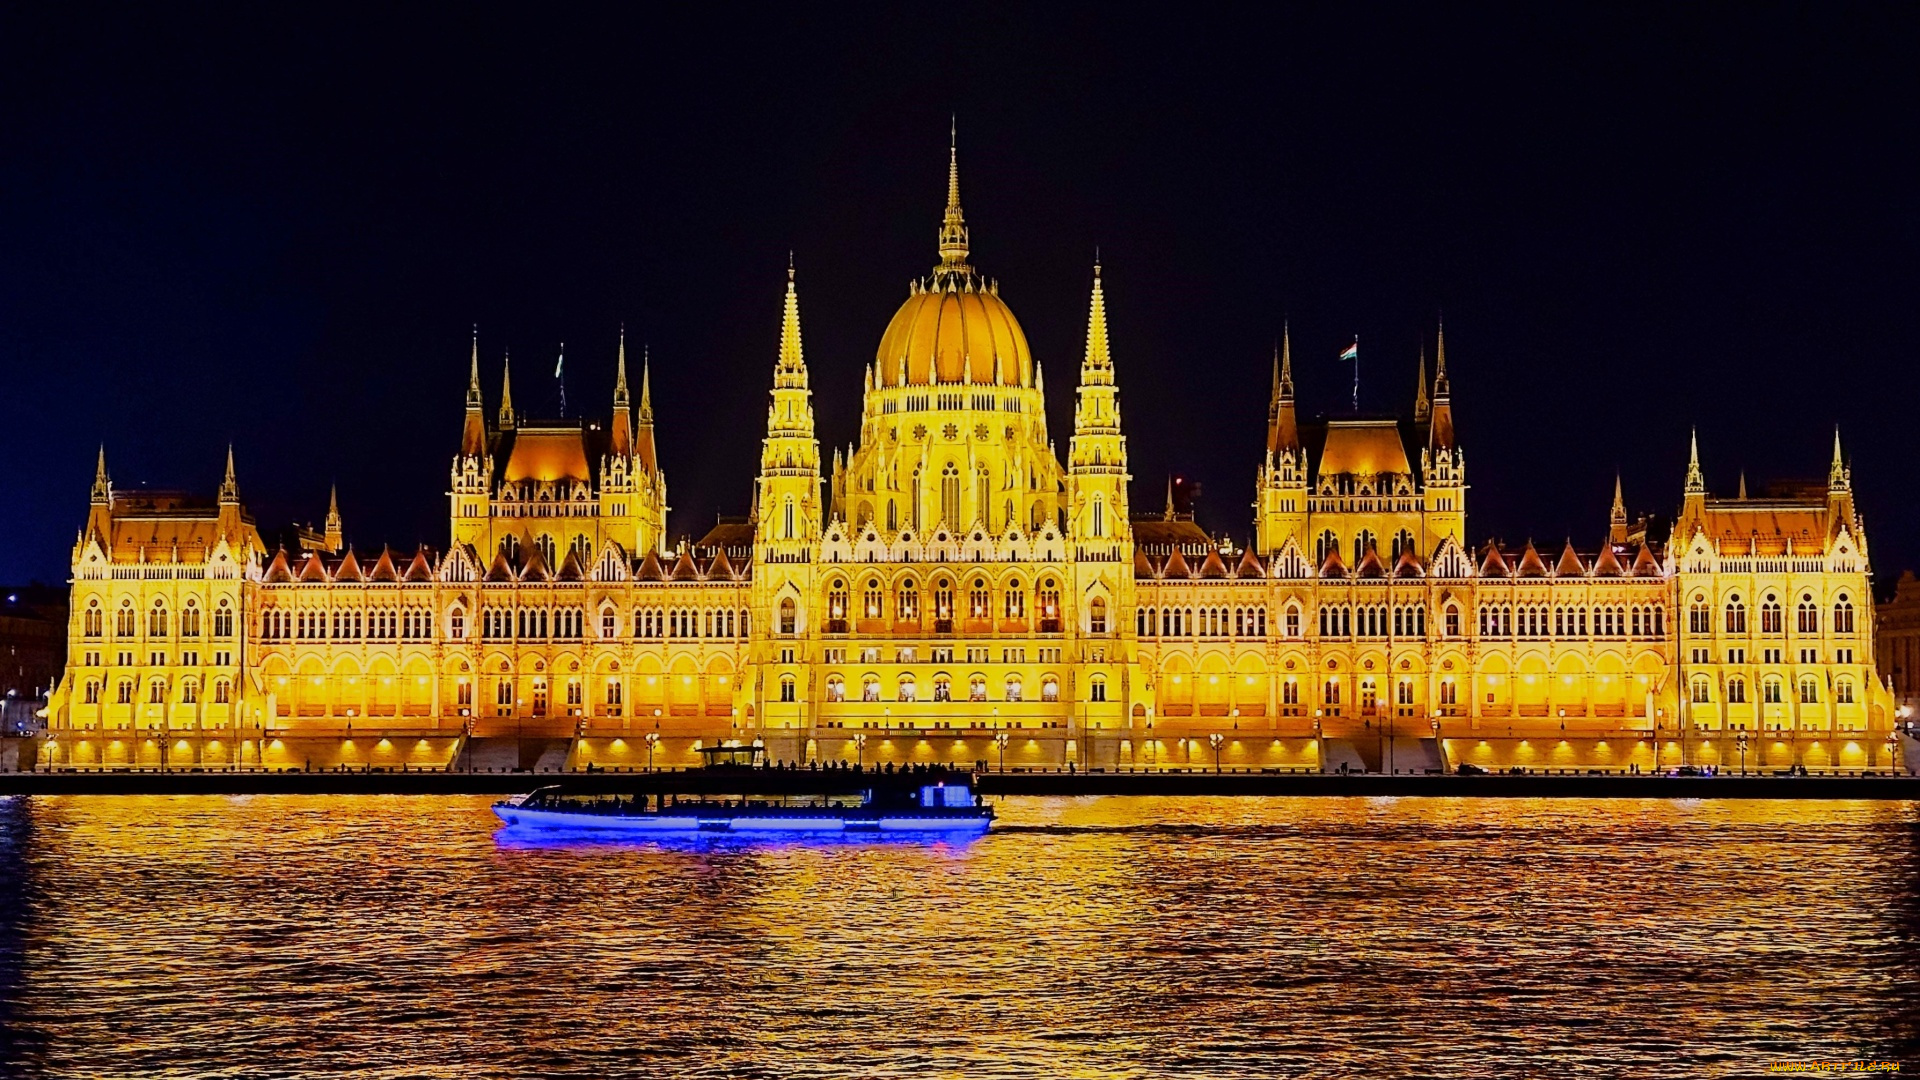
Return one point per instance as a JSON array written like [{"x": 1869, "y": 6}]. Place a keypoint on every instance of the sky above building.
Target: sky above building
[{"x": 280, "y": 233}]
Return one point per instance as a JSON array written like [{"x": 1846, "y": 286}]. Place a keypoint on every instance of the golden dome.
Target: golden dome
[
  {"x": 950, "y": 331},
  {"x": 954, "y": 327}
]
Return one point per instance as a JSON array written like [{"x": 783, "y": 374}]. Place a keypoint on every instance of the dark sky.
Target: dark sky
[{"x": 222, "y": 227}]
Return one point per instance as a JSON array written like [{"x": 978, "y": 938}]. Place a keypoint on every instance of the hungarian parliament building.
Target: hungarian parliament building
[{"x": 948, "y": 589}]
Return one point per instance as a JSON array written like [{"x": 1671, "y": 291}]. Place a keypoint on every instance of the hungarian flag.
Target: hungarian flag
[{"x": 1352, "y": 352}]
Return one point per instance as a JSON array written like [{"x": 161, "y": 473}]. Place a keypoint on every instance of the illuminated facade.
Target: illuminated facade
[{"x": 949, "y": 589}]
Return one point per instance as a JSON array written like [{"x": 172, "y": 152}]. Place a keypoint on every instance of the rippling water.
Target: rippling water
[{"x": 1083, "y": 937}]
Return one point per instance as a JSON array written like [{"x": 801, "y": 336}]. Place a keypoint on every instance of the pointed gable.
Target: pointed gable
[
  {"x": 313, "y": 569},
  {"x": 721, "y": 568},
  {"x": 1215, "y": 566},
  {"x": 650, "y": 568},
  {"x": 349, "y": 569},
  {"x": 1493, "y": 564},
  {"x": 1142, "y": 569},
  {"x": 1370, "y": 564},
  {"x": 1644, "y": 564},
  {"x": 1531, "y": 565},
  {"x": 1409, "y": 565},
  {"x": 501, "y": 570},
  {"x": 1175, "y": 566},
  {"x": 1606, "y": 565},
  {"x": 278, "y": 570},
  {"x": 383, "y": 568},
  {"x": 1249, "y": 566},
  {"x": 683, "y": 568},
  {"x": 420, "y": 568},
  {"x": 570, "y": 568},
  {"x": 1569, "y": 564},
  {"x": 535, "y": 568},
  {"x": 1333, "y": 566}
]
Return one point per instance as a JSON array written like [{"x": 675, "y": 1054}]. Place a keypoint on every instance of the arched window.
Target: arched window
[
  {"x": 93, "y": 620},
  {"x": 1843, "y": 615},
  {"x": 942, "y": 688},
  {"x": 893, "y": 516},
  {"x": 977, "y": 688},
  {"x": 943, "y": 600},
  {"x": 157, "y": 692},
  {"x": 1402, "y": 542},
  {"x": 123, "y": 693},
  {"x": 978, "y": 605},
  {"x": 908, "y": 689},
  {"x": 870, "y": 688},
  {"x": 875, "y": 603},
  {"x": 1809, "y": 690},
  {"x": 908, "y": 602},
  {"x": 157, "y": 620},
  {"x": 1769, "y": 690},
  {"x": 457, "y": 623},
  {"x": 1449, "y": 691},
  {"x": 1013, "y": 687},
  {"x": 1453, "y": 621},
  {"x": 189, "y": 692},
  {"x": 1143, "y": 622},
  {"x": 1770, "y": 620},
  {"x": 616, "y": 697},
  {"x": 1097, "y": 615},
  {"x": 1330, "y": 693},
  {"x": 1293, "y": 620},
  {"x": 789, "y": 616},
  {"x": 787, "y": 513},
  {"x": 1050, "y": 689},
  {"x": 545, "y": 544},
  {"x": 1736, "y": 620},
  {"x": 123, "y": 625},
  {"x": 1048, "y": 598},
  {"x": 1325, "y": 546},
  {"x": 223, "y": 620},
  {"x": 1702, "y": 689},
  {"x": 1099, "y": 516},
  {"x": 950, "y": 496},
  {"x": 837, "y": 607},
  {"x": 92, "y": 696},
  {"x": 1016, "y": 600},
  {"x": 1290, "y": 691},
  {"x": 1807, "y": 616},
  {"x": 1843, "y": 691},
  {"x": 1736, "y": 691},
  {"x": 836, "y": 688},
  {"x": 786, "y": 688},
  {"x": 1362, "y": 541},
  {"x": 1698, "y": 621}
]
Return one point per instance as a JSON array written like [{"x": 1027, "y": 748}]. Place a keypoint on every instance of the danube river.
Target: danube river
[{"x": 399, "y": 936}]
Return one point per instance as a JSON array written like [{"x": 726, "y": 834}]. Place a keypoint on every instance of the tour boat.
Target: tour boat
[{"x": 935, "y": 801}]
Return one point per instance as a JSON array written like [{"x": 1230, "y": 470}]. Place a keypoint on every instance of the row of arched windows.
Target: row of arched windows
[
  {"x": 157, "y": 692},
  {"x": 682, "y": 623},
  {"x": 1772, "y": 690},
  {"x": 1542, "y": 620},
  {"x": 160, "y": 620},
  {"x": 1772, "y": 615},
  {"x": 907, "y": 688},
  {"x": 371, "y": 624},
  {"x": 1249, "y": 621},
  {"x": 906, "y": 603}
]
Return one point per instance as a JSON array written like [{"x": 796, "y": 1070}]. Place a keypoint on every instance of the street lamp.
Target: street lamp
[
  {"x": 860, "y": 750},
  {"x": 653, "y": 740},
  {"x": 1214, "y": 740},
  {"x": 1001, "y": 739},
  {"x": 1893, "y": 744}
]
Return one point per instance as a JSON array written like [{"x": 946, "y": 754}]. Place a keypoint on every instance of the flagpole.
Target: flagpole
[{"x": 1356, "y": 374}]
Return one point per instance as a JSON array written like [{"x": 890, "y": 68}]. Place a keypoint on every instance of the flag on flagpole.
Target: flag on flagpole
[{"x": 1351, "y": 352}]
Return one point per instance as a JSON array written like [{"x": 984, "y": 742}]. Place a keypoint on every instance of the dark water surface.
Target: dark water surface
[{"x": 398, "y": 936}]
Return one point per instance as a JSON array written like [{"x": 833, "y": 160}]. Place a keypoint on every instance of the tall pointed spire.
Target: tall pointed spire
[
  {"x": 644, "y": 447},
  {"x": 1283, "y": 425},
  {"x": 1617, "y": 516},
  {"x": 1837, "y": 476},
  {"x": 1168, "y": 514},
  {"x": 229, "y": 487},
  {"x": 620, "y": 434},
  {"x": 953, "y": 227},
  {"x": 1696, "y": 483},
  {"x": 334, "y": 539},
  {"x": 102, "y": 486},
  {"x": 791, "y": 369},
  {"x": 473, "y": 373},
  {"x": 1421, "y": 409},
  {"x": 506, "y": 392},
  {"x": 1440, "y": 434},
  {"x": 646, "y": 385},
  {"x": 1098, "y": 365}
]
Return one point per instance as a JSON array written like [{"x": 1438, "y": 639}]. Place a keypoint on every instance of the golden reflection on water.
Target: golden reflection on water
[{"x": 400, "y": 936}]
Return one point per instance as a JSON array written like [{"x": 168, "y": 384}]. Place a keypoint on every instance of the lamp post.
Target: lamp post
[
  {"x": 1893, "y": 744},
  {"x": 860, "y": 750},
  {"x": 1319, "y": 744},
  {"x": 1214, "y": 740},
  {"x": 653, "y": 740},
  {"x": 1001, "y": 740}
]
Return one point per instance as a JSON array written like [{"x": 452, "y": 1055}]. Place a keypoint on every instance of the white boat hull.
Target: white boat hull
[{"x": 685, "y": 824}]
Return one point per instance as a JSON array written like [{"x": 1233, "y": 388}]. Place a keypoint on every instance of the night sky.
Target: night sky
[{"x": 229, "y": 227}]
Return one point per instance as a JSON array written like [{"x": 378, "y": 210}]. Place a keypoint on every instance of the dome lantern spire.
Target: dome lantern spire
[{"x": 953, "y": 229}]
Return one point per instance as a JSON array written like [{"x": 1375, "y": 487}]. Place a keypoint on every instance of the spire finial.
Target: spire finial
[
  {"x": 506, "y": 390},
  {"x": 1099, "y": 362},
  {"x": 1619, "y": 512},
  {"x": 229, "y": 487},
  {"x": 620, "y": 372},
  {"x": 1440, "y": 387},
  {"x": 1743, "y": 486},
  {"x": 1696, "y": 483},
  {"x": 646, "y": 385},
  {"x": 791, "y": 369},
  {"x": 1837, "y": 479},
  {"x": 473, "y": 372},
  {"x": 102, "y": 487},
  {"x": 953, "y": 228},
  {"x": 1169, "y": 511},
  {"x": 1421, "y": 409}
]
